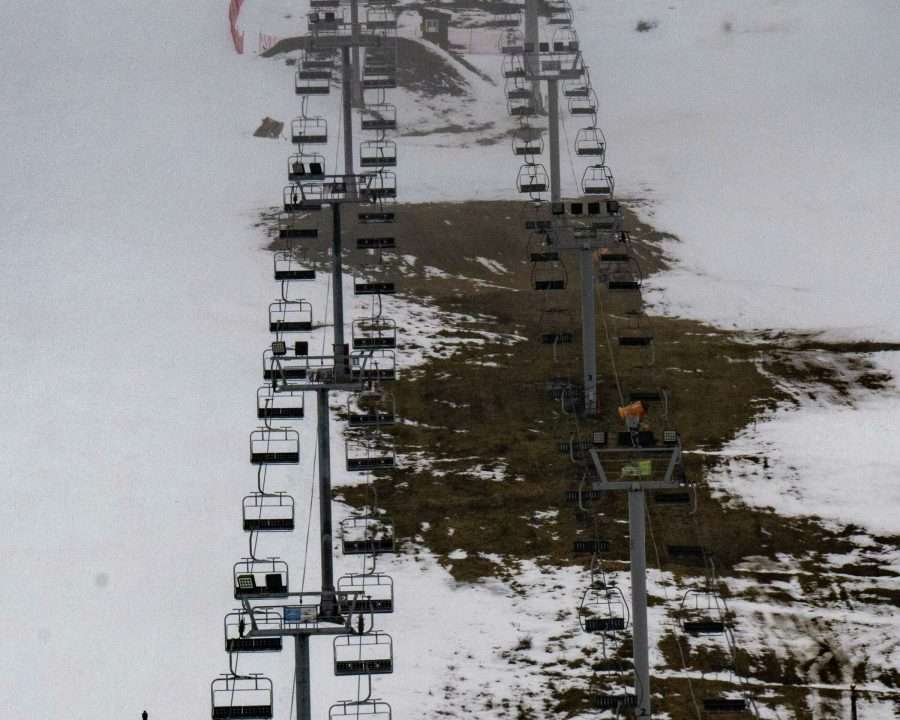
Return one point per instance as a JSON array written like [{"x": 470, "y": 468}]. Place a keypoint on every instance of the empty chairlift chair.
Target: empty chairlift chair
[
  {"x": 560, "y": 12},
  {"x": 306, "y": 166},
  {"x": 512, "y": 42},
  {"x": 302, "y": 197},
  {"x": 518, "y": 89},
  {"x": 378, "y": 116},
  {"x": 533, "y": 180},
  {"x": 702, "y": 612},
  {"x": 378, "y": 154},
  {"x": 274, "y": 446},
  {"x": 377, "y": 333},
  {"x": 268, "y": 512},
  {"x": 369, "y": 654},
  {"x": 368, "y": 454},
  {"x": 381, "y": 185},
  {"x": 283, "y": 405},
  {"x": 590, "y": 142},
  {"x": 290, "y": 227},
  {"x": 360, "y": 710},
  {"x": 550, "y": 275},
  {"x": 370, "y": 280},
  {"x": 326, "y": 21},
  {"x": 527, "y": 142},
  {"x": 288, "y": 267},
  {"x": 312, "y": 81},
  {"x": 260, "y": 578},
  {"x": 370, "y": 408},
  {"x": 598, "y": 180},
  {"x": 238, "y": 625},
  {"x": 725, "y": 705},
  {"x": 381, "y": 18},
  {"x": 513, "y": 67},
  {"x": 373, "y": 365},
  {"x": 366, "y": 535},
  {"x": 379, "y": 76},
  {"x": 290, "y": 316},
  {"x": 521, "y": 107},
  {"x": 309, "y": 131},
  {"x": 603, "y": 610},
  {"x": 366, "y": 593},
  {"x": 241, "y": 697},
  {"x": 586, "y": 105}
]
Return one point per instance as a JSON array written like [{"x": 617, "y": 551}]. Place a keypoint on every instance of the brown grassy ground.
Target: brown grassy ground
[{"x": 502, "y": 418}]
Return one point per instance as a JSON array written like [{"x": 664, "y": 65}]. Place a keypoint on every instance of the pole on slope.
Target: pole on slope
[
  {"x": 347, "y": 102},
  {"x": 303, "y": 686},
  {"x": 636, "y": 531},
  {"x": 356, "y": 71},
  {"x": 531, "y": 58}
]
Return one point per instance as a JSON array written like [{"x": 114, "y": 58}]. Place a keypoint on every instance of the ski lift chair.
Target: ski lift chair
[
  {"x": 590, "y": 142},
  {"x": 383, "y": 184},
  {"x": 306, "y": 166},
  {"x": 373, "y": 365},
  {"x": 281, "y": 405},
  {"x": 302, "y": 197},
  {"x": 291, "y": 228},
  {"x": 512, "y": 42},
  {"x": 366, "y": 535},
  {"x": 241, "y": 697},
  {"x": 360, "y": 710},
  {"x": 268, "y": 512},
  {"x": 598, "y": 180},
  {"x": 370, "y": 280},
  {"x": 725, "y": 705},
  {"x": 312, "y": 82},
  {"x": 274, "y": 446},
  {"x": 328, "y": 21},
  {"x": 287, "y": 267},
  {"x": 374, "y": 593},
  {"x": 290, "y": 316},
  {"x": 548, "y": 276},
  {"x": 513, "y": 67},
  {"x": 374, "y": 333},
  {"x": 260, "y": 578},
  {"x": 378, "y": 116},
  {"x": 565, "y": 40},
  {"x": 238, "y": 623},
  {"x": 583, "y": 104},
  {"x": 309, "y": 130},
  {"x": 603, "y": 610},
  {"x": 370, "y": 409},
  {"x": 527, "y": 141},
  {"x": 378, "y": 154},
  {"x": 702, "y": 613},
  {"x": 366, "y": 455},
  {"x": 560, "y": 12},
  {"x": 368, "y": 654},
  {"x": 557, "y": 326},
  {"x": 533, "y": 180},
  {"x": 517, "y": 89},
  {"x": 577, "y": 88},
  {"x": 317, "y": 59},
  {"x": 521, "y": 107},
  {"x": 381, "y": 18},
  {"x": 379, "y": 78}
]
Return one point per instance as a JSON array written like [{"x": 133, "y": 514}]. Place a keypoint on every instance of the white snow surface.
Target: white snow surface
[
  {"x": 838, "y": 462},
  {"x": 134, "y": 292}
]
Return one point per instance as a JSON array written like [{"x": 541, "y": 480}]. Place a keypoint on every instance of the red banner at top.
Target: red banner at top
[{"x": 234, "y": 9}]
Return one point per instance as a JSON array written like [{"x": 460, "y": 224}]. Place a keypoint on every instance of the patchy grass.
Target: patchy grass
[{"x": 500, "y": 419}]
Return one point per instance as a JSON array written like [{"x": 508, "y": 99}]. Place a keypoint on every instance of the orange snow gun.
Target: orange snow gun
[{"x": 637, "y": 409}]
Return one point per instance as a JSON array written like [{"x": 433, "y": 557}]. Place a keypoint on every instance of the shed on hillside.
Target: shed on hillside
[{"x": 436, "y": 27}]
